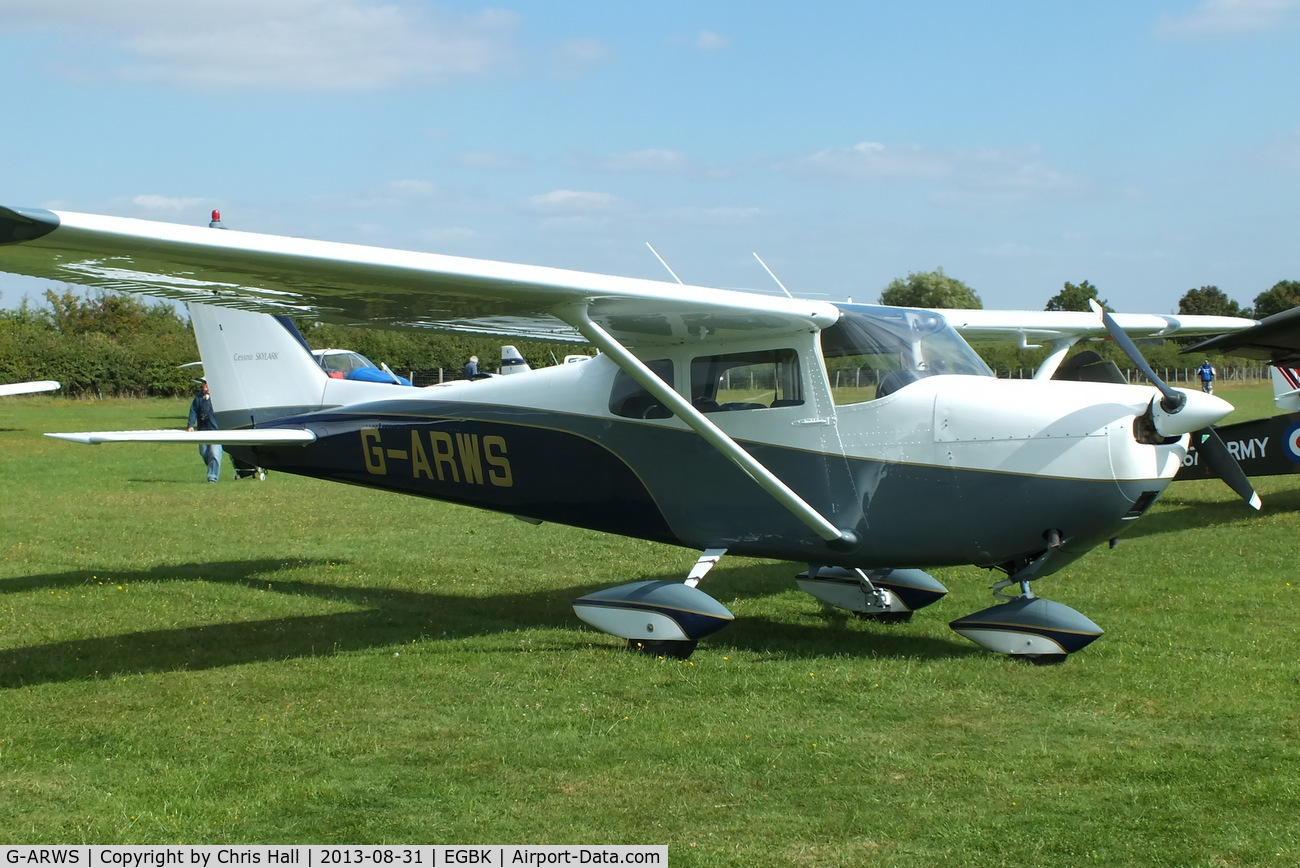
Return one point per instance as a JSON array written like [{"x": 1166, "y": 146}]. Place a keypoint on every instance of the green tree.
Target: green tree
[
  {"x": 930, "y": 289},
  {"x": 103, "y": 344},
  {"x": 109, "y": 313},
  {"x": 1075, "y": 297},
  {"x": 1209, "y": 301},
  {"x": 1284, "y": 295}
]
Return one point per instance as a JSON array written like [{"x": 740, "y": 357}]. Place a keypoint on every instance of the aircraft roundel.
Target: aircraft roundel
[{"x": 1291, "y": 442}]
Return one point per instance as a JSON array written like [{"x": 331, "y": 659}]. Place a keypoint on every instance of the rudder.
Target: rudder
[
  {"x": 257, "y": 368},
  {"x": 1286, "y": 388}
]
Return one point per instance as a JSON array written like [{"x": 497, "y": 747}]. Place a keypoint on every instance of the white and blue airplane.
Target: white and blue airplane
[{"x": 866, "y": 442}]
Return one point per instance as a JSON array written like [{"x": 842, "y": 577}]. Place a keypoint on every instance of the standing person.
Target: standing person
[
  {"x": 1206, "y": 373},
  {"x": 202, "y": 418},
  {"x": 471, "y": 368}
]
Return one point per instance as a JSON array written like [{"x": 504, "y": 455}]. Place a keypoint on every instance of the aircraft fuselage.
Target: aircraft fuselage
[{"x": 949, "y": 470}]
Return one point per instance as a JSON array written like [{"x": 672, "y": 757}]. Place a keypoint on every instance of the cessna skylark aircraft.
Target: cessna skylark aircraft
[{"x": 867, "y": 442}]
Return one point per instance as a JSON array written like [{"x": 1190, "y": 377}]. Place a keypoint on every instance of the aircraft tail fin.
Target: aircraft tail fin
[
  {"x": 1286, "y": 388},
  {"x": 258, "y": 366},
  {"x": 512, "y": 361}
]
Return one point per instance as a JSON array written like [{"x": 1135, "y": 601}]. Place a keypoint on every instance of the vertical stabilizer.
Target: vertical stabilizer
[
  {"x": 1286, "y": 388},
  {"x": 258, "y": 367},
  {"x": 512, "y": 361}
]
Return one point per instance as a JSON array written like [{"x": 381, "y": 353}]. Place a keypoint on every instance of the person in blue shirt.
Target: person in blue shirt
[
  {"x": 203, "y": 419},
  {"x": 471, "y": 368},
  {"x": 1206, "y": 373}
]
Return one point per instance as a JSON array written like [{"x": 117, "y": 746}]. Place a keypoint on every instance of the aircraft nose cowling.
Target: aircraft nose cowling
[{"x": 1200, "y": 411}]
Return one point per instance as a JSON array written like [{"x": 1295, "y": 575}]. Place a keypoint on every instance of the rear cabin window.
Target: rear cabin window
[
  {"x": 746, "y": 381},
  {"x": 628, "y": 398}
]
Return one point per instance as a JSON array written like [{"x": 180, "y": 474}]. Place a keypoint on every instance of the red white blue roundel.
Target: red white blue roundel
[{"x": 1291, "y": 442}]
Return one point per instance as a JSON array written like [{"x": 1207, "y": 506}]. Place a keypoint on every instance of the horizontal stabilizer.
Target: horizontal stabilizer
[
  {"x": 241, "y": 436},
  {"x": 28, "y": 388}
]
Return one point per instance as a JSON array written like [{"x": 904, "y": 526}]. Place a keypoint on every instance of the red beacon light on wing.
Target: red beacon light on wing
[{"x": 216, "y": 220}]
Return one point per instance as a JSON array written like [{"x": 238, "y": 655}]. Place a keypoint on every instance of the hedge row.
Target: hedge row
[
  {"x": 107, "y": 344},
  {"x": 116, "y": 345}
]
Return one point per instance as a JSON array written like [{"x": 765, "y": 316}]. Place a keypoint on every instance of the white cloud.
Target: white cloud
[
  {"x": 1284, "y": 151},
  {"x": 960, "y": 174},
  {"x": 574, "y": 58},
  {"x": 874, "y": 161},
  {"x": 391, "y": 194},
  {"x": 651, "y": 160},
  {"x": 574, "y": 202},
  {"x": 1006, "y": 175},
  {"x": 350, "y": 46},
  {"x": 492, "y": 161},
  {"x": 707, "y": 40},
  {"x": 718, "y": 215},
  {"x": 1227, "y": 18},
  {"x": 155, "y": 204}
]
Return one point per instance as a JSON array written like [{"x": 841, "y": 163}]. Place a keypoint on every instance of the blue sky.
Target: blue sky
[{"x": 1148, "y": 147}]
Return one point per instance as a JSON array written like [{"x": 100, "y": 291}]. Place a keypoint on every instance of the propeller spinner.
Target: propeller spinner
[{"x": 1179, "y": 412}]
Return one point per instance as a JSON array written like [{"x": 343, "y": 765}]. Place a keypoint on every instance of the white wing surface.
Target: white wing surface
[
  {"x": 359, "y": 285},
  {"x": 1051, "y": 326},
  {"x": 28, "y": 388},
  {"x": 241, "y": 436}
]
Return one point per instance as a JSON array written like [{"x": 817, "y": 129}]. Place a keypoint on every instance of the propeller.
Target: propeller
[
  {"x": 1215, "y": 451},
  {"x": 1179, "y": 412},
  {"x": 1172, "y": 400}
]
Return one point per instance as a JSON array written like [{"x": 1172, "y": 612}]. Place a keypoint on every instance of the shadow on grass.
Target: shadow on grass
[
  {"x": 1177, "y": 515},
  {"x": 387, "y": 617}
]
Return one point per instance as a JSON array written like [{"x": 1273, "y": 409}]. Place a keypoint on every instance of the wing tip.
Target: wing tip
[
  {"x": 73, "y": 438},
  {"x": 26, "y": 224}
]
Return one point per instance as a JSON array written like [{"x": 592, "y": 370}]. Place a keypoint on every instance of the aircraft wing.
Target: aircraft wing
[
  {"x": 358, "y": 285},
  {"x": 1276, "y": 339},
  {"x": 241, "y": 436},
  {"x": 28, "y": 388},
  {"x": 1050, "y": 326}
]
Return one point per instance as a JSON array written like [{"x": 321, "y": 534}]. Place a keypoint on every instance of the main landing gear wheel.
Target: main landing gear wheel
[
  {"x": 665, "y": 619},
  {"x": 883, "y": 617},
  {"x": 1046, "y": 659},
  {"x": 1042, "y": 630}
]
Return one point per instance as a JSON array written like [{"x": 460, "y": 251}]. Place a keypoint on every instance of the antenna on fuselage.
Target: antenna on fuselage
[
  {"x": 772, "y": 275},
  {"x": 664, "y": 264}
]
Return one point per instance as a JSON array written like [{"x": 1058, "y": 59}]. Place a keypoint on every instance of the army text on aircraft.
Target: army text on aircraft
[{"x": 1261, "y": 447}]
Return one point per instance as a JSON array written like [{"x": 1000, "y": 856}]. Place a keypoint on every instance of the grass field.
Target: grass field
[{"x": 293, "y": 661}]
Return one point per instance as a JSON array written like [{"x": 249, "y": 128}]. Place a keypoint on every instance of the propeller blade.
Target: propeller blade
[
  {"x": 1172, "y": 400},
  {"x": 1215, "y": 452}
]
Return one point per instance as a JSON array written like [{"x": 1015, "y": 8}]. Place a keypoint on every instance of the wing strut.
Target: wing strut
[{"x": 712, "y": 434}]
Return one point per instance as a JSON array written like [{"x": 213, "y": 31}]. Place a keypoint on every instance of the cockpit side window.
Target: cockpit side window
[
  {"x": 873, "y": 352},
  {"x": 746, "y": 381},
  {"x": 629, "y": 399}
]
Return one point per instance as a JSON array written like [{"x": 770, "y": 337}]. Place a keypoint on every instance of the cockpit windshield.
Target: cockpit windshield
[
  {"x": 342, "y": 361},
  {"x": 875, "y": 350}
]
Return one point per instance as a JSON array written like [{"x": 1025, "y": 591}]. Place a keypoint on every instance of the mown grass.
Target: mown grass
[{"x": 295, "y": 661}]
